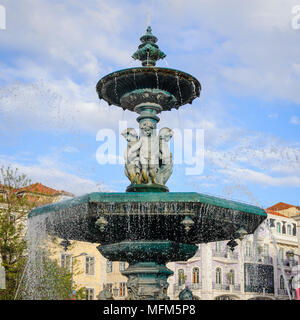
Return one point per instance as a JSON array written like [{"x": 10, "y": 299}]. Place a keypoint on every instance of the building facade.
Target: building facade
[{"x": 259, "y": 267}]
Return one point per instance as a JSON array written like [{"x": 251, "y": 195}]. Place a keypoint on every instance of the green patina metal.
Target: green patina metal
[
  {"x": 148, "y": 52},
  {"x": 154, "y": 197},
  {"x": 160, "y": 251},
  {"x": 149, "y": 226},
  {"x": 183, "y": 86}
]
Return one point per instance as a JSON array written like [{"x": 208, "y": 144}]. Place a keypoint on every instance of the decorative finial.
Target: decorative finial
[{"x": 148, "y": 52}]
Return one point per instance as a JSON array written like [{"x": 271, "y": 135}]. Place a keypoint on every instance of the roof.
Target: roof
[
  {"x": 275, "y": 213},
  {"x": 41, "y": 189},
  {"x": 281, "y": 206}
]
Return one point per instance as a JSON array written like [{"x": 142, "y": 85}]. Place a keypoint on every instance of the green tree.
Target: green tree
[
  {"x": 13, "y": 214},
  {"x": 54, "y": 282}
]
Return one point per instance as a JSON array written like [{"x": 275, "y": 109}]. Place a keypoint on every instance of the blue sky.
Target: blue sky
[{"x": 245, "y": 54}]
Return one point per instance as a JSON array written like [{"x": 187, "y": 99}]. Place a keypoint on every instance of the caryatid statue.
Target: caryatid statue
[{"x": 148, "y": 159}]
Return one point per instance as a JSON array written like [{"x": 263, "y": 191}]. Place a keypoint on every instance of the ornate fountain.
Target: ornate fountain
[{"x": 148, "y": 226}]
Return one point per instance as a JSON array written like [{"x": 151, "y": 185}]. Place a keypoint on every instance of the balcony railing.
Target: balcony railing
[
  {"x": 282, "y": 292},
  {"x": 191, "y": 286},
  {"x": 195, "y": 286},
  {"x": 225, "y": 254},
  {"x": 236, "y": 287},
  {"x": 219, "y": 286},
  {"x": 263, "y": 259},
  {"x": 220, "y": 254},
  {"x": 287, "y": 262}
]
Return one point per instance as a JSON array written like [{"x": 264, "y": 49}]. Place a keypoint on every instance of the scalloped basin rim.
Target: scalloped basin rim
[
  {"x": 147, "y": 69},
  {"x": 154, "y": 197}
]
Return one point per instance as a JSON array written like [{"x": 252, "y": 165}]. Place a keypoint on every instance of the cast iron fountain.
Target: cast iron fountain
[{"x": 148, "y": 226}]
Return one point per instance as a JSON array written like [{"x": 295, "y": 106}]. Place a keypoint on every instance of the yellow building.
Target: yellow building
[{"x": 91, "y": 270}]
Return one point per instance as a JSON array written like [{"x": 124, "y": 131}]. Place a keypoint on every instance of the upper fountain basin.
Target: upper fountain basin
[{"x": 169, "y": 88}]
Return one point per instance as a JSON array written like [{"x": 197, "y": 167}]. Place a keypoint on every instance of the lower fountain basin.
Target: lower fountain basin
[
  {"x": 158, "y": 251},
  {"x": 109, "y": 218}
]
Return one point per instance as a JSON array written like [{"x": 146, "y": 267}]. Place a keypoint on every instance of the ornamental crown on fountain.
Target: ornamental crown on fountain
[{"x": 148, "y": 159}]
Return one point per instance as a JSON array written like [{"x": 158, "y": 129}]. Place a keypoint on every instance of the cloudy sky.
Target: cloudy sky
[{"x": 246, "y": 55}]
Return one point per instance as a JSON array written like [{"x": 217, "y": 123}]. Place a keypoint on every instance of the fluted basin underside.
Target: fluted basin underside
[
  {"x": 109, "y": 218},
  {"x": 182, "y": 87}
]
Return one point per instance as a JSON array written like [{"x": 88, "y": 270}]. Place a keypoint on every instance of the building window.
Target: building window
[
  {"x": 109, "y": 287},
  {"x": 109, "y": 266},
  {"x": 281, "y": 254},
  {"x": 218, "y": 276},
  {"x": 281, "y": 282},
  {"x": 122, "y": 289},
  {"x": 278, "y": 227},
  {"x": 289, "y": 230},
  {"x": 121, "y": 266},
  {"x": 196, "y": 275},
  {"x": 248, "y": 249},
  {"x": 266, "y": 250},
  {"x": 181, "y": 277},
  {"x": 247, "y": 277},
  {"x": 90, "y": 265},
  {"x": 66, "y": 261},
  {"x": 89, "y": 294},
  {"x": 231, "y": 277},
  {"x": 218, "y": 247}
]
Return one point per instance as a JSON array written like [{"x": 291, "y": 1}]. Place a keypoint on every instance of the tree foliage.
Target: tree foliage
[
  {"x": 52, "y": 281},
  {"x": 13, "y": 213}
]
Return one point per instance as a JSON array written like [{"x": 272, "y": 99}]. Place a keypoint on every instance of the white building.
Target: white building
[{"x": 256, "y": 269}]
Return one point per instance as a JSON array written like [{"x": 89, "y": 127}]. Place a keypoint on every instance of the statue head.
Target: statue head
[
  {"x": 166, "y": 134},
  {"x": 147, "y": 127},
  {"x": 130, "y": 134}
]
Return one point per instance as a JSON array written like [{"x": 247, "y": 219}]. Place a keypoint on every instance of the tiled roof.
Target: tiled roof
[
  {"x": 281, "y": 206},
  {"x": 41, "y": 189}
]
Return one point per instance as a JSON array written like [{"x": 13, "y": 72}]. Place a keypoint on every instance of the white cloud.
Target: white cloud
[
  {"x": 295, "y": 120},
  {"x": 47, "y": 172},
  {"x": 247, "y": 175},
  {"x": 70, "y": 149}
]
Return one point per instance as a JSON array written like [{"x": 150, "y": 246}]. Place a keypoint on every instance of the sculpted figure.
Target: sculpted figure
[
  {"x": 132, "y": 164},
  {"x": 105, "y": 294},
  {"x": 149, "y": 151},
  {"x": 166, "y": 163},
  {"x": 132, "y": 288}
]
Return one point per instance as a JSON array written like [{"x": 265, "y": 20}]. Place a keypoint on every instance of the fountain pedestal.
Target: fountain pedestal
[
  {"x": 147, "y": 281},
  {"x": 147, "y": 272}
]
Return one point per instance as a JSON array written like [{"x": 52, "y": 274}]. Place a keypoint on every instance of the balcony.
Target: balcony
[
  {"x": 219, "y": 286},
  {"x": 287, "y": 262},
  {"x": 236, "y": 287},
  {"x": 225, "y": 255},
  {"x": 262, "y": 260},
  {"x": 191, "y": 286},
  {"x": 265, "y": 260},
  {"x": 282, "y": 292}
]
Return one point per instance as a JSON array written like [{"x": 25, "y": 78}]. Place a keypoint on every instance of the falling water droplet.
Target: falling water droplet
[
  {"x": 178, "y": 86},
  {"x": 116, "y": 94}
]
